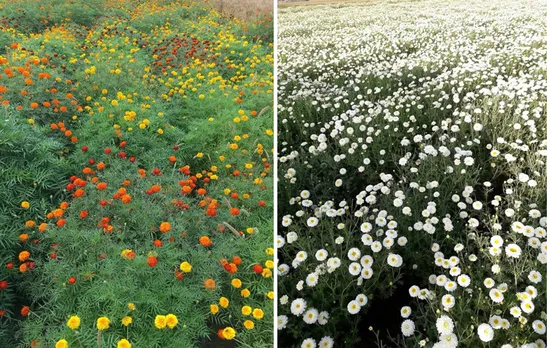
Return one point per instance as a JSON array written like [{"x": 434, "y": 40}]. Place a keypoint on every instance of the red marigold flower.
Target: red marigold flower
[
  {"x": 258, "y": 269},
  {"x": 25, "y": 311},
  {"x": 152, "y": 261}
]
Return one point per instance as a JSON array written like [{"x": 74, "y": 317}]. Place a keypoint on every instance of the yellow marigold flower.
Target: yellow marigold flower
[
  {"x": 160, "y": 131},
  {"x": 171, "y": 320},
  {"x": 241, "y": 112},
  {"x": 199, "y": 155},
  {"x": 224, "y": 302},
  {"x": 249, "y": 324},
  {"x": 201, "y": 96},
  {"x": 73, "y": 322},
  {"x": 245, "y": 293},
  {"x": 25, "y": 205},
  {"x": 246, "y": 310},
  {"x": 114, "y": 102},
  {"x": 61, "y": 344},
  {"x": 269, "y": 132},
  {"x": 270, "y": 251},
  {"x": 269, "y": 264},
  {"x": 221, "y": 158},
  {"x": 186, "y": 267},
  {"x": 237, "y": 120},
  {"x": 270, "y": 295},
  {"x": 248, "y": 165},
  {"x": 258, "y": 313},
  {"x": 103, "y": 323},
  {"x": 266, "y": 273},
  {"x": 214, "y": 309},
  {"x": 123, "y": 343},
  {"x": 142, "y": 126},
  {"x": 131, "y": 306},
  {"x": 30, "y": 121},
  {"x": 227, "y": 191},
  {"x": 160, "y": 322},
  {"x": 127, "y": 320},
  {"x": 236, "y": 283},
  {"x": 229, "y": 333}
]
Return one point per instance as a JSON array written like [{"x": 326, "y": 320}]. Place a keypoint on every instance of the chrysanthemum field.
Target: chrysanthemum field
[
  {"x": 136, "y": 189},
  {"x": 412, "y": 174}
]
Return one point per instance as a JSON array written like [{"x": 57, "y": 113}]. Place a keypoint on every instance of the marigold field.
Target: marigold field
[
  {"x": 135, "y": 175},
  {"x": 412, "y": 174}
]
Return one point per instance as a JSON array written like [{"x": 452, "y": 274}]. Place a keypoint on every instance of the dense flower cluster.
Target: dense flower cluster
[{"x": 413, "y": 154}]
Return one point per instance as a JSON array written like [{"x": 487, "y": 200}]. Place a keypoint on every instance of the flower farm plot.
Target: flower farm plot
[
  {"x": 135, "y": 175},
  {"x": 412, "y": 168}
]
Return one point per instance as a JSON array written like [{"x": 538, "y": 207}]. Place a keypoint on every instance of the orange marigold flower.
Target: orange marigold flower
[
  {"x": 24, "y": 255},
  {"x": 209, "y": 284},
  {"x": 205, "y": 241},
  {"x": 58, "y": 213},
  {"x": 101, "y": 186},
  {"x": 165, "y": 227},
  {"x": 126, "y": 199},
  {"x": 236, "y": 260}
]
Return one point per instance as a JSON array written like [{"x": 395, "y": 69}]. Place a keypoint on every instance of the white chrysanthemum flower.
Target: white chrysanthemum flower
[
  {"x": 312, "y": 279},
  {"x": 323, "y": 318},
  {"x": 292, "y": 237},
  {"x": 495, "y": 321},
  {"x": 513, "y": 250},
  {"x": 354, "y": 254},
  {"x": 406, "y": 311},
  {"x": 312, "y": 221},
  {"x": 309, "y": 343},
  {"x": 535, "y": 277},
  {"x": 282, "y": 321},
  {"x": 515, "y": 312},
  {"x": 486, "y": 333},
  {"x": 496, "y": 295},
  {"x": 394, "y": 260},
  {"x": 326, "y": 342},
  {"x": 445, "y": 325},
  {"x": 354, "y": 269},
  {"x": 414, "y": 291},
  {"x": 539, "y": 327},
  {"x": 353, "y": 307},
  {"x": 448, "y": 301},
  {"x": 321, "y": 255},
  {"x": 284, "y": 299},
  {"x": 408, "y": 327},
  {"x": 310, "y": 316},
  {"x": 298, "y": 306}
]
